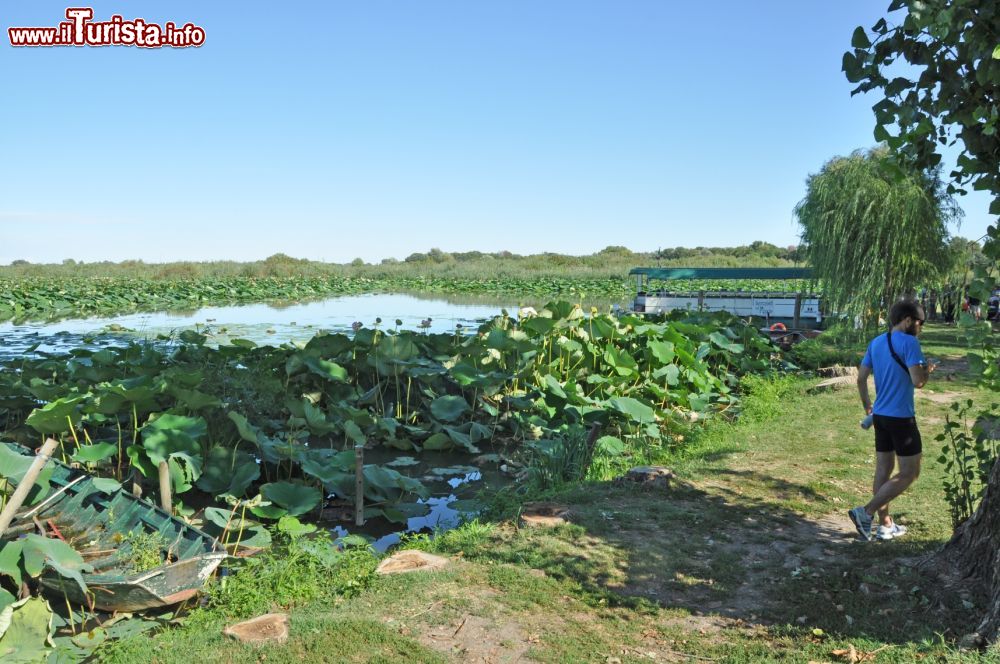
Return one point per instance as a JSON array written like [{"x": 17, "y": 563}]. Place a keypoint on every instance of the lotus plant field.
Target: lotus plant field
[
  {"x": 274, "y": 428},
  {"x": 43, "y": 298}
]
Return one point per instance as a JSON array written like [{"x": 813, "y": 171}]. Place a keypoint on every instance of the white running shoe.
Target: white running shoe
[{"x": 891, "y": 532}]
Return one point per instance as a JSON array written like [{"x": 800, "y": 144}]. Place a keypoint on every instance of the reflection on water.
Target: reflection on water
[
  {"x": 261, "y": 323},
  {"x": 441, "y": 516},
  {"x": 271, "y": 324}
]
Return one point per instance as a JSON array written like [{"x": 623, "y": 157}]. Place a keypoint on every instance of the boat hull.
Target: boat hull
[
  {"x": 165, "y": 586},
  {"x": 770, "y": 307},
  {"x": 102, "y": 526}
]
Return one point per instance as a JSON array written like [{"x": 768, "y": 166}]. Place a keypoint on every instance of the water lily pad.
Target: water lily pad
[
  {"x": 26, "y": 638},
  {"x": 13, "y": 466},
  {"x": 294, "y": 497},
  {"x": 56, "y": 417},
  {"x": 95, "y": 453},
  {"x": 453, "y": 470},
  {"x": 449, "y": 408},
  {"x": 90, "y": 639},
  {"x": 228, "y": 471},
  {"x": 637, "y": 411},
  {"x": 438, "y": 441}
]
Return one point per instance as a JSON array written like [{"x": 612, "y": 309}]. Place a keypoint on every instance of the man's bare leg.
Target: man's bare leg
[
  {"x": 909, "y": 470},
  {"x": 885, "y": 463}
]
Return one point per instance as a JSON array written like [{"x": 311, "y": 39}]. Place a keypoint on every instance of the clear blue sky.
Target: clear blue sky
[{"x": 341, "y": 129}]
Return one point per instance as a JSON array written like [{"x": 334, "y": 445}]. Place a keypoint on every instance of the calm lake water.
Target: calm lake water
[{"x": 272, "y": 324}]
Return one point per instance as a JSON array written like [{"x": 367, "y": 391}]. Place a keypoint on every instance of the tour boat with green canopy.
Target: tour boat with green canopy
[{"x": 658, "y": 290}]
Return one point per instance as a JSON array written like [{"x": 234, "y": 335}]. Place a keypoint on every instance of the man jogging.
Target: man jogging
[{"x": 898, "y": 364}]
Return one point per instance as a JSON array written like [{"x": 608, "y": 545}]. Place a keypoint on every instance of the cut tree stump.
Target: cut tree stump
[
  {"x": 648, "y": 477},
  {"x": 410, "y": 561},
  {"x": 830, "y": 384},
  {"x": 837, "y": 372},
  {"x": 262, "y": 629},
  {"x": 544, "y": 515}
]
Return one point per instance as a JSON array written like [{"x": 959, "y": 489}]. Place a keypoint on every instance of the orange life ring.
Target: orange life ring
[{"x": 778, "y": 327}]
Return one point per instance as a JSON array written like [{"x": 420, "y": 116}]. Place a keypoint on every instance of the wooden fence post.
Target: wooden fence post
[{"x": 359, "y": 485}]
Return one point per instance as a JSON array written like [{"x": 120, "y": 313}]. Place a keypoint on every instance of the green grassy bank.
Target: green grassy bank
[{"x": 747, "y": 557}]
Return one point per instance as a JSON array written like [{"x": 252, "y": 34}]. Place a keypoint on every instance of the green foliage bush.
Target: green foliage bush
[
  {"x": 813, "y": 354},
  {"x": 764, "y": 395},
  {"x": 302, "y": 570},
  {"x": 968, "y": 456}
]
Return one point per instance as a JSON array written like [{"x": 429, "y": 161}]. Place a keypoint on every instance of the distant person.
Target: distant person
[
  {"x": 948, "y": 309},
  {"x": 899, "y": 366},
  {"x": 974, "y": 308}
]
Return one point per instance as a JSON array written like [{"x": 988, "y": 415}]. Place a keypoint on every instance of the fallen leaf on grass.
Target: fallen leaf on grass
[
  {"x": 852, "y": 655},
  {"x": 849, "y": 654}
]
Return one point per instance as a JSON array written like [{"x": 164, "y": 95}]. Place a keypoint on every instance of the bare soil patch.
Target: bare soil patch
[
  {"x": 939, "y": 397},
  {"x": 480, "y": 640}
]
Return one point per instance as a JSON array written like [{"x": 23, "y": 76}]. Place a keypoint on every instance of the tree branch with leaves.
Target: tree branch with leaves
[{"x": 938, "y": 73}]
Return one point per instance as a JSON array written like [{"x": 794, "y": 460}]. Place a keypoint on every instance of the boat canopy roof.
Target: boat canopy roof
[{"x": 674, "y": 273}]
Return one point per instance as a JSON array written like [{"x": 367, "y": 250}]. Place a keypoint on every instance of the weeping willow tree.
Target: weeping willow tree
[{"x": 873, "y": 234}]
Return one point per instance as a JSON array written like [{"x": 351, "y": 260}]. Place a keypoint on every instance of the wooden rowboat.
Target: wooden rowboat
[{"x": 105, "y": 526}]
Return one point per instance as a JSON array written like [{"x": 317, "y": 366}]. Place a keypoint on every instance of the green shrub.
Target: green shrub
[
  {"x": 763, "y": 395},
  {"x": 968, "y": 455},
  {"x": 301, "y": 571},
  {"x": 815, "y": 353}
]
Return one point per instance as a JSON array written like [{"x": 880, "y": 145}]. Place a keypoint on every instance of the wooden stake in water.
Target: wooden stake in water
[
  {"x": 166, "y": 501},
  {"x": 27, "y": 482},
  {"x": 359, "y": 485}
]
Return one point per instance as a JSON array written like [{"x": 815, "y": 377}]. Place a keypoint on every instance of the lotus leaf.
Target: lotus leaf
[
  {"x": 636, "y": 411},
  {"x": 329, "y": 370},
  {"x": 292, "y": 527},
  {"x": 385, "y": 483},
  {"x": 95, "y": 453},
  {"x": 250, "y": 534},
  {"x": 56, "y": 417},
  {"x": 449, "y": 408},
  {"x": 294, "y": 497},
  {"x": 609, "y": 446},
  {"x": 26, "y": 636},
  {"x": 194, "y": 399},
  {"x": 438, "y": 441},
  {"x": 228, "y": 471},
  {"x": 317, "y": 420},
  {"x": 13, "y": 466},
  {"x": 401, "y": 512},
  {"x": 354, "y": 433},
  {"x": 247, "y": 431}
]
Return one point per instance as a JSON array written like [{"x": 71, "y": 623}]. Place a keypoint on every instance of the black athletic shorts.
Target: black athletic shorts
[{"x": 897, "y": 434}]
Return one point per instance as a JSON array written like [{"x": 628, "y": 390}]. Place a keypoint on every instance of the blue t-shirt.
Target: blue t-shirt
[{"x": 893, "y": 386}]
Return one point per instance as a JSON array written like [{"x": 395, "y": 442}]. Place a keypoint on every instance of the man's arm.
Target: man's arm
[
  {"x": 919, "y": 368},
  {"x": 919, "y": 373},
  {"x": 863, "y": 373}
]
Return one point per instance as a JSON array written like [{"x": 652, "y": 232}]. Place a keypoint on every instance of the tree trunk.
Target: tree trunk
[{"x": 972, "y": 557}]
